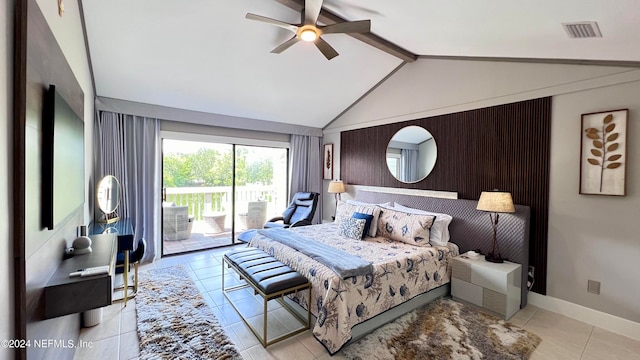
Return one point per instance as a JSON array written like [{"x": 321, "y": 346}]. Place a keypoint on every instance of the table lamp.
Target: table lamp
[
  {"x": 495, "y": 202},
  {"x": 336, "y": 187}
]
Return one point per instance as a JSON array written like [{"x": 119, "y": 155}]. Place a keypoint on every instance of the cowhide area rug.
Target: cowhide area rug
[
  {"x": 175, "y": 322},
  {"x": 445, "y": 329}
]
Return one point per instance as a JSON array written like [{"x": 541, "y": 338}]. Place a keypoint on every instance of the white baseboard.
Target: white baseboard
[{"x": 593, "y": 317}]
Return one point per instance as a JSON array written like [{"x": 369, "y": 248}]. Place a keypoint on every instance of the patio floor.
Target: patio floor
[{"x": 201, "y": 238}]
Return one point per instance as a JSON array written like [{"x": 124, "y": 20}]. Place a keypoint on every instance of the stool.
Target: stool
[{"x": 272, "y": 280}]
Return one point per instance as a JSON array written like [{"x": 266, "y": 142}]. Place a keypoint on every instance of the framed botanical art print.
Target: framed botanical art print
[
  {"x": 327, "y": 163},
  {"x": 603, "y": 153}
]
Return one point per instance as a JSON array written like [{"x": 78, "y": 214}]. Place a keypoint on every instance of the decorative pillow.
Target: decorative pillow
[
  {"x": 346, "y": 210},
  {"x": 409, "y": 228},
  {"x": 368, "y": 218},
  {"x": 352, "y": 228},
  {"x": 439, "y": 233}
]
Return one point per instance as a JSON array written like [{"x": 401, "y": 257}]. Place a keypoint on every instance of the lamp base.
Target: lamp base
[{"x": 490, "y": 257}]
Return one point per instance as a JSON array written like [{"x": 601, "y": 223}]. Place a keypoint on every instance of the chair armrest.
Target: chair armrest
[
  {"x": 277, "y": 218},
  {"x": 301, "y": 223}
]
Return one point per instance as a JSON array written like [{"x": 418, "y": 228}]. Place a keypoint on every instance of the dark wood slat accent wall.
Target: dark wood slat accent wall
[{"x": 502, "y": 147}]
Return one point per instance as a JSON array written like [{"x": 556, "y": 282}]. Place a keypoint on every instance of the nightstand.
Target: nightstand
[{"x": 493, "y": 286}]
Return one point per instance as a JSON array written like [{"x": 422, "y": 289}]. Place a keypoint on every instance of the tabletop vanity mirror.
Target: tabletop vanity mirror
[
  {"x": 411, "y": 154},
  {"x": 108, "y": 199}
]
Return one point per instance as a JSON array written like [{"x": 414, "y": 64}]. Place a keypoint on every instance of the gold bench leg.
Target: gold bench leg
[{"x": 278, "y": 296}]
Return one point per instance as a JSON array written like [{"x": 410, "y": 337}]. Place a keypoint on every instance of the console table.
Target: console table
[
  {"x": 123, "y": 229},
  {"x": 66, "y": 295}
]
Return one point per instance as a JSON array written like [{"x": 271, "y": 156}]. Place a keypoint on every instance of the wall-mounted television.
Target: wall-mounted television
[{"x": 63, "y": 188}]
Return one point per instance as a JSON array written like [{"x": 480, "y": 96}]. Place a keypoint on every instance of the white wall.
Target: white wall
[
  {"x": 6, "y": 118},
  {"x": 590, "y": 237}
]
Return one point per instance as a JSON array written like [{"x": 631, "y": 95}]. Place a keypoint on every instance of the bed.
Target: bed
[{"x": 405, "y": 275}]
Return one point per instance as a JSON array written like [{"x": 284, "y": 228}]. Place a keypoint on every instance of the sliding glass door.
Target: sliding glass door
[
  {"x": 261, "y": 185},
  {"x": 212, "y": 192}
]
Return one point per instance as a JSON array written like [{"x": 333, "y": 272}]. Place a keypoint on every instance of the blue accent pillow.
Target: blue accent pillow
[{"x": 367, "y": 224}]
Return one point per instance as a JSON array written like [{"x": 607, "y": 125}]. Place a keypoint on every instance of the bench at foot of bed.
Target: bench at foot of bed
[{"x": 272, "y": 280}]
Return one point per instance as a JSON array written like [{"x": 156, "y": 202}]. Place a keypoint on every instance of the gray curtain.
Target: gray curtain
[
  {"x": 128, "y": 147},
  {"x": 408, "y": 165},
  {"x": 306, "y": 166}
]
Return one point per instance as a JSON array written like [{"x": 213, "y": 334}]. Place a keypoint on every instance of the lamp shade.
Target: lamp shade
[
  {"x": 496, "y": 201},
  {"x": 336, "y": 187}
]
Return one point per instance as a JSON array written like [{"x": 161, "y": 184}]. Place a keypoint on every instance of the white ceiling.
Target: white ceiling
[{"x": 203, "y": 55}]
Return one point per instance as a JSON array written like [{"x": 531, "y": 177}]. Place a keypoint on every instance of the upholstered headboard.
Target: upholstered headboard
[{"x": 471, "y": 229}]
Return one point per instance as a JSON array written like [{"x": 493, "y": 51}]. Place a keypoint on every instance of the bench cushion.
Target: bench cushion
[{"x": 264, "y": 271}]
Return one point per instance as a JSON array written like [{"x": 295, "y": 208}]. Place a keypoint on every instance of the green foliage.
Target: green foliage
[
  {"x": 209, "y": 167},
  {"x": 261, "y": 172}
]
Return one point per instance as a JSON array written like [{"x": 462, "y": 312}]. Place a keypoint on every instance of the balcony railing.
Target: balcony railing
[{"x": 217, "y": 199}]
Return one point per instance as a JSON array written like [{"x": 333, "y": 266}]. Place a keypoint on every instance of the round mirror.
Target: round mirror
[
  {"x": 411, "y": 154},
  {"x": 108, "y": 195}
]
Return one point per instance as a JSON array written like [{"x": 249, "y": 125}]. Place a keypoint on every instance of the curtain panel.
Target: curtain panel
[
  {"x": 128, "y": 148},
  {"x": 306, "y": 166},
  {"x": 409, "y": 165}
]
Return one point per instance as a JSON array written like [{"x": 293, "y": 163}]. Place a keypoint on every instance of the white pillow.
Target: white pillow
[
  {"x": 439, "y": 234},
  {"x": 356, "y": 202},
  {"x": 346, "y": 210}
]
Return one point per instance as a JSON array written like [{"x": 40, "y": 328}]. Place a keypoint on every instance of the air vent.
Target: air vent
[{"x": 583, "y": 29}]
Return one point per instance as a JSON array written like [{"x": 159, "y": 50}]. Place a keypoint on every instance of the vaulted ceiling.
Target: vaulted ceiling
[{"x": 203, "y": 55}]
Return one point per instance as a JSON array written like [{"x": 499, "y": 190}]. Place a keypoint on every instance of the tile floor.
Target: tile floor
[
  {"x": 201, "y": 238},
  {"x": 115, "y": 338}
]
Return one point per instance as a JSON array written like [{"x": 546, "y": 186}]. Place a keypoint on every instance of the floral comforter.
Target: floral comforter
[{"x": 401, "y": 272}]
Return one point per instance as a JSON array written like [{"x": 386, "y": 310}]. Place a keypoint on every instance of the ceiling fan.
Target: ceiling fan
[{"x": 309, "y": 31}]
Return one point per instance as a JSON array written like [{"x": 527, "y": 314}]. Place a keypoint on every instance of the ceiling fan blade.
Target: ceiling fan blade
[
  {"x": 325, "y": 49},
  {"x": 275, "y": 22},
  {"x": 361, "y": 26},
  {"x": 312, "y": 11},
  {"x": 285, "y": 45}
]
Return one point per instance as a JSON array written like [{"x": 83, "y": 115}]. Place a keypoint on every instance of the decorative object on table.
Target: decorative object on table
[
  {"x": 108, "y": 199},
  {"x": 327, "y": 163},
  {"x": 336, "y": 187},
  {"x": 495, "y": 202},
  {"x": 471, "y": 254},
  {"x": 173, "y": 318},
  {"x": 82, "y": 244},
  {"x": 603, "y": 148},
  {"x": 445, "y": 329}
]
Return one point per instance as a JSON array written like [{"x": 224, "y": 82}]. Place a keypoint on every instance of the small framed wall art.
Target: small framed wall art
[
  {"x": 327, "y": 163},
  {"x": 603, "y": 153}
]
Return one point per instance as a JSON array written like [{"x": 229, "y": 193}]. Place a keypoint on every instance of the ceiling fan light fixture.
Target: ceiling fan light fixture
[{"x": 308, "y": 35}]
